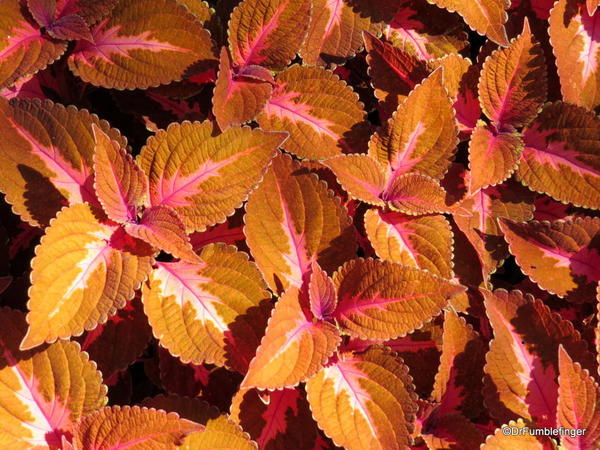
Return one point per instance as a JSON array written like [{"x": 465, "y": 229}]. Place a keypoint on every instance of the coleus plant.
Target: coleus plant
[{"x": 323, "y": 224}]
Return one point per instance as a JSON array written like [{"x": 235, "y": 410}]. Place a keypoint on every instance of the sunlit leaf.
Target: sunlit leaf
[
  {"x": 23, "y": 48},
  {"x": 487, "y": 17},
  {"x": 522, "y": 363},
  {"x": 422, "y": 134},
  {"x": 204, "y": 175},
  {"x": 193, "y": 307},
  {"x": 161, "y": 227},
  {"x": 578, "y": 397},
  {"x": 294, "y": 347},
  {"x": 416, "y": 194},
  {"x": 384, "y": 300},
  {"x": 142, "y": 45},
  {"x": 46, "y": 157},
  {"x": 43, "y": 393},
  {"x": 335, "y": 31},
  {"x": 291, "y": 220},
  {"x": 562, "y": 256},
  {"x": 561, "y": 157},
  {"x": 574, "y": 34},
  {"x": 240, "y": 94},
  {"x": 321, "y": 292},
  {"x": 423, "y": 242},
  {"x": 364, "y": 401},
  {"x": 132, "y": 427},
  {"x": 85, "y": 269},
  {"x": 268, "y": 33},
  {"x": 493, "y": 156},
  {"x": 119, "y": 183},
  {"x": 512, "y": 86},
  {"x": 320, "y": 112}
]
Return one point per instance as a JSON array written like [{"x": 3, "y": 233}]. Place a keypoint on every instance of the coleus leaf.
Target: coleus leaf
[
  {"x": 526, "y": 339},
  {"x": 142, "y": 45},
  {"x": 119, "y": 183},
  {"x": 578, "y": 397},
  {"x": 239, "y": 95},
  {"x": 448, "y": 431},
  {"x": 267, "y": 33},
  {"x": 574, "y": 37},
  {"x": 219, "y": 431},
  {"x": 85, "y": 269},
  {"x": 321, "y": 293},
  {"x": 23, "y": 48},
  {"x": 125, "y": 426},
  {"x": 592, "y": 5},
  {"x": 335, "y": 31},
  {"x": 394, "y": 72},
  {"x": 426, "y": 31},
  {"x": 47, "y": 12},
  {"x": 281, "y": 419},
  {"x": 493, "y": 156},
  {"x": 161, "y": 227},
  {"x": 505, "y": 439},
  {"x": 562, "y": 256},
  {"x": 415, "y": 141},
  {"x": 204, "y": 175},
  {"x": 116, "y": 344},
  {"x": 487, "y": 17},
  {"x": 384, "y": 300},
  {"x": 201, "y": 10},
  {"x": 482, "y": 227},
  {"x": 294, "y": 347},
  {"x": 417, "y": 194},
  {"x": 320, "y": 112},
  {"x": 512, "y": 85},
  {"x": 364, "y": 400},
  {"x": 193, "y": 307},
  {"x": 458, "y": 381},
  {"x": 43, "y": 393},
  {"x": 46, "y": 156},
  {"x": 561, "y": 157},
  {"x": 291, "y": 220}
]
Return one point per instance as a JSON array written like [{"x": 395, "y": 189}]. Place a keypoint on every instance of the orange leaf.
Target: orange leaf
[
  {"x": 161, "y": 227},
  {"x": 204, "y": 175},
  {"x": 239, "y": 95},
  {"x": 458, "y": 381},
  {"x": 335, "y": 31},
  {"x": 561, "y": 157},
  {"x": 193, "y": 308},
  {"x": 24, "y": 50},
  {"x": 267, "y": 33},
  {"x": 85, "y": 269},
  {"x": 384, "y": 300},
  {"x": 292, "y": 219},
  {"x": 522, "y": 363},
  {"x": 132, "y": 427},
  {"x": 413, "y": 140},
  {"x": 43, "y": 393},
  {"x": 364, "y": 401},
  {"x": 321, "y": 292},
  {"x": 119, "y": 183},
  {"x": 493, "y": 156},
  {"x": 320, "y": 112},
  {"x": 578, "y": 397},
  {"x": 143, "y": 45},
  {"x": 423, "y": 242},
  {"x": 46, "y": 157},
  {"x": 562, "y": 256},
  {"x": 417, "y": 194},
  {"x": 487, "y": 17},
  {"x": 512, "y": 85},
  {"x": 294, "y": 347},
  {"x": 574, "y": 37},
  {"x": 363, "y": 177}
]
